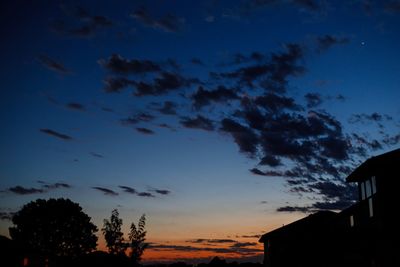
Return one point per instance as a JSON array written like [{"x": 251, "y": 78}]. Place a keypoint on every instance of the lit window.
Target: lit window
[
  {"x": 368, "y": 191},
  {"x": 362, "y": 190},
  {"x": 351, "y": 220},
  {"x": 371, "y": 208},
  {"x": 373, "y": 182}
]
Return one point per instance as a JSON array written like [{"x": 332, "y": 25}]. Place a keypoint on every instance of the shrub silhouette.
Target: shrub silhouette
[{"x": 54, "y": 228}]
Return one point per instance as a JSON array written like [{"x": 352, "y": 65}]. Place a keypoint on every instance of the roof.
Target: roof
[
  {"x": 312, "y": 222},
  {"x": 374, "y": 164}
]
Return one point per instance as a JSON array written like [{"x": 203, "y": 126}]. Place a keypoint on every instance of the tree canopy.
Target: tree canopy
[
  {"x": 113, "y": 234},
  {"x": 54, "y": 227},
  {"x": 137, "y": 238}
]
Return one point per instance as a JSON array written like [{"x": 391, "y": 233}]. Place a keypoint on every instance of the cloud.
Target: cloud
[
  {"x": 327, "y": 41},
  {"x": 96, "y": 155},
  {"x": 197, "y": 61},
  {"x": 271, "y": 161},
  {"x": 199, "y": 122},
  {"x": 56, "y": 134},
  {"x": 162, "y": 191},
  {"x": 45, "y": 187},
  {"x": 164, "y": 83},
  {"x": 119, "y": 65},
  {"x": 293, "y": 209},
  {"x": 145, "y": 194},
  {"x": 373, "y": 117},
  {"x": 128, "y": 189},
  {"x": 311, "y": 5},
  {"x": 169, "y": 108},
  {"x": 392, "y": 6},
  {"x": 48, "y": 186},
  {"x": 117, "y": 84},
  {"x": 145, "y": 131},
  {"x": 20, "y": 190},
  {"x": 313, "y": 100},
  {"x": 257, "y": 172},
  {"x": 237, "y": 250},
  {"x": 75, "y": 106},
  {"x": 106, "y": 191},
  {"x": 244, "y": 137},
  {"x": 244, "y": 244},
  {"x": 168, "y": 23},
  {"x": 78, "y": 22},
  {"x": 53, "y": 65},
  {"x": 212, "y": 241},
  {"x": 273, "y": 73},
  {"x": 6, "y": 216},
  {"x": 203, "y": 97}
]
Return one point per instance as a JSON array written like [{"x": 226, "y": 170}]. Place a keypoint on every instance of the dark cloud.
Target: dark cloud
[
  {"x": 274, "y": 72},
  {"x": 257, "y": 172},
  {"x": 362, "y": 141},
  {"x": 106, "y": 191},
  {"x": 118, "y": 64},
  {"x": 168, "y": 23},
  {"x": 220, "y": 95},
  {"x": 169, "y": 108},
  {"x": 392, "y": 6},
  {"x": 213, "y": 241},
  {"x": 276, "y": 103},
  {"x": 311, "y": 5},
  {"x": 53, "y": 65},
  {"x": 164, "y": 83},
  {"x": 334, "y": 191},
  {"x": 117, "y": 84},
  {"x": 145, "y": 194},
  {"x": 56, "y": 134},
  {"x": 128, "y": 189},
  {"x": 373, "y": 117},
  {"x": 327, "y": 41},
  {"x": 75, "y": 106},
  {"x": 96, "y": 155},
  {"x": 55, "y": 185},
  {"x": 162, "y": 191},
  {"x": 78, "y": 22},
  {"x": 145, "y": 131},
  {"x": 313, "y": 100},
  {"x": 293, "y": 209},
  {"x": 20, "y": 190},
  {"x": 271, "y": 161},
  {"x": 197, "y": 61},
  {"x": 129, "y": 121},
  {"x": 243, "y": 244},
  {"x": 199, "y": 122},
  {"x": 244, "y": 137}
]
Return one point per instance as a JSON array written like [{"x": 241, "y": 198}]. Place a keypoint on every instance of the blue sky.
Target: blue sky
[{"x": 218, "y": 119}]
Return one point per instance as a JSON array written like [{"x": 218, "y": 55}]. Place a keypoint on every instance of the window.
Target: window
[
  {"x": 368, "y": 189},
  {"x": 373, "y": 183},
  {"x": 362, "y": 190},
  {"x": 351, "y": 220},
  {"x": 371, "y": 208}
]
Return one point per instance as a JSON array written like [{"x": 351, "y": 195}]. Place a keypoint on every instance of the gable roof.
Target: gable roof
[
  {"x": 313, "y": 222},
  {"x": 372, "y": 165}
]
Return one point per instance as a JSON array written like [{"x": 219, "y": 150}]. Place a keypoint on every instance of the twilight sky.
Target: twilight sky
[{"x": 220, "y": 120}]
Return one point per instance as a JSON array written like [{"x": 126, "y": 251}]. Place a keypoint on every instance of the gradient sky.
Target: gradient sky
[{"x": 220, "y": 120}]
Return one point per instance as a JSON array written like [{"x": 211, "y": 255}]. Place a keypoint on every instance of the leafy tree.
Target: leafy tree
[
  {"x": 113, "y": 235},
  {"x": 137, "y": 237},
  {"x": 54, "y": 227}
]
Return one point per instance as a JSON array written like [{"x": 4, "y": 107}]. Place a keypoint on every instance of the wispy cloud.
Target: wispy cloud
[
  {"x": 105, "y": 191},
  {"x": 53, "y": 65},
  {"x": 56, "y": 134}
]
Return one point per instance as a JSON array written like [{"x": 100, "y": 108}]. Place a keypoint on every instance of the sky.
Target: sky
[{"x": 219, "y": 120}]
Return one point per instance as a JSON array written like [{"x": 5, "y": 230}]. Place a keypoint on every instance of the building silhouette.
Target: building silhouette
[{"x": 366, "y": 234}]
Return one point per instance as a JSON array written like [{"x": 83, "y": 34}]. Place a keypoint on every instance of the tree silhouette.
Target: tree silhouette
[
  {"x": 113, "y": 235},
  {"x": 54, "y": 227},
  {"x": 137, "y": 236}
]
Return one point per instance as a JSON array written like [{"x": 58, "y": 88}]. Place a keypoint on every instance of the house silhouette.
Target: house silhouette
[{"x": 366, "y": 234}]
